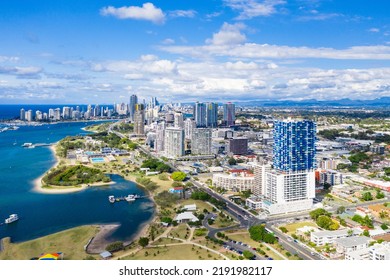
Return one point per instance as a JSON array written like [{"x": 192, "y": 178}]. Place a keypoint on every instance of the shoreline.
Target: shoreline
[
  {"x": 105, "y": 230},
  {"x": 38, "y": 186}
]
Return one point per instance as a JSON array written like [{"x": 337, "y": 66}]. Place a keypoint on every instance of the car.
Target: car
[
  {"x": 312, "y": 253},
  {"x": 270, "y": 259},
  {"x": 289, "y": 239}
]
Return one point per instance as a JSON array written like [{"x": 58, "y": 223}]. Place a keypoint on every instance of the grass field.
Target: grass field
[
  {"x": 293, "y": 227},
  {"x": 163, "y": 241},
  {"x": 175, "y": 252},
  {"x": 71, "y": 242},
  {"x": 180, "y": 231}
]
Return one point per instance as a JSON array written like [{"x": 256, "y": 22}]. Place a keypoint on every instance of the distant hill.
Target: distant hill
[{"x": 379, "y": 102}]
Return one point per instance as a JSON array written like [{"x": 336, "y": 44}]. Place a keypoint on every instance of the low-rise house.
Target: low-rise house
[
  {"x": 353, "y": 243},
  {"x": 190, "y": 207},
  {"x": 321, "y": 238},
  {"x": 186, "y": 217},
  {"x": 254, "y": 202}
]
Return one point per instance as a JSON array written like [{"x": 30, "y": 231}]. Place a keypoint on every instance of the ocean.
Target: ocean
[{"x": 42, "y": 214}]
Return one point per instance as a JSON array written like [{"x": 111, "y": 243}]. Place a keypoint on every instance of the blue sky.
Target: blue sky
[{"x": 223, "y": 50}]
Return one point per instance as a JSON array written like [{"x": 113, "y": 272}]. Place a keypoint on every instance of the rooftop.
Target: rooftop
[{"x": 353, "y": 241}]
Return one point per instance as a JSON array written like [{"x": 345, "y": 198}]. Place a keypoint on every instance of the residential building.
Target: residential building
[
  {"x": 353, "y": 243},
  {"x": 260, "y": 171},
  {"x": 294, "y": 145},
  {"x": 254, "y": 202},
  {"x": 174, "y": 142},
  {"x": 22, "y": 114},
  {"x": 29, "y": 116},
  {"x": 189, "y": 125},
  {"x": 212, "y": 115},
  {"x": 321, "y": 238},
  {"x": 139, "y": 119},
  {"x": 380, "y": 251},
  {"x": 238, "y": 146},
  {"x": 133, "y": 102},
  {"x": 201, "y": 141},
  {"x": 200, "y": 114},
  {"x": 234, "y": 182},
  {"x": 179, "y": 120},
  {"x": 288, "y": 192},
  {"x": 160, "y": 137},
  {"x": 229, "y": 114}
]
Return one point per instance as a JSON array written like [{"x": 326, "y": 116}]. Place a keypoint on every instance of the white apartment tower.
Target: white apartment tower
[
  {"x": 201, "y": 141},
  {"x": 160, "y": 137},
  {"x": 174, "y": 142}
]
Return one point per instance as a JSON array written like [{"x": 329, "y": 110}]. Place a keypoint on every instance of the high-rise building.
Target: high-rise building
[
  {"x": 22, "y": 114},
  {"x": 212, "y": 115},
  {"x": 133, "y": 102},
  {"x": 139, "y": 119},
  {"x": 51, "y": 114},
  {"x": 160, "y": 137},
  {"x": 290, "y": 187},
  {"x": 66, "y": 113},
  {"x": 229, "y": 113},
  {"x": 201, "y": 141},
  {"x": 238, "y": 146},
  {"x": 179, "y": 120},
  {"x": 189, "y": 125},
  {"x": 294, "y": 145},
  {"x": 38, "y": 115},
  {"x": 260, "y": 170},
  {"x": 29, "y": 115},
  {"x": 174, "y": 142},
  {"x": 57, "y": 114},
  {"x": 200, "y": 114}
]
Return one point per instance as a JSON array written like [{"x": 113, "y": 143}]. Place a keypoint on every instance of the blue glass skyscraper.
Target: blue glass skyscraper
[{"x": 294, "y": 145}]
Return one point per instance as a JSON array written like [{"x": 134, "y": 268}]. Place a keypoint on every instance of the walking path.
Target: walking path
[{"x": 183, "y": 242}]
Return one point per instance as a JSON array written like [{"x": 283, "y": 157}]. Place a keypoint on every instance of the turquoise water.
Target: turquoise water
[
  {"x": 42, "y": 214},
  {"x": 97, "y": 160}
]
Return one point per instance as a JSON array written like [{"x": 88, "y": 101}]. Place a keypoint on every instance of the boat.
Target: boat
[
  {"x": 130, "y": 198},
  {"x": 26, "y": 145},
  {"x": 12, "y": 218},
  {"x": 111, "y": 198}
]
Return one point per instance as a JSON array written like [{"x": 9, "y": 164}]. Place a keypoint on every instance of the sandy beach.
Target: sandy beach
[{"x": 61, "y": 190}]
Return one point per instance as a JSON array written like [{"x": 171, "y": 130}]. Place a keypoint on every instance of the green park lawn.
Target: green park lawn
[{"x": 70, "y": 242}]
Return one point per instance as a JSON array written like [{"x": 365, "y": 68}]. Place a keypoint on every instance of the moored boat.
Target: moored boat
[{"x": 12, "y": 218}]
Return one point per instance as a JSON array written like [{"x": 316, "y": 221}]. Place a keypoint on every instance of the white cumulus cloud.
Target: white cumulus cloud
[
  {"x": 229, "y": 34},
  {"x": 147, "y": 12}
]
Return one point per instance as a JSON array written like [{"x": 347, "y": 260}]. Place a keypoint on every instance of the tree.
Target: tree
[
  {"x": 283, "y": 229},
  {"x": 384, "y": 226},
  {"x": 379, "y": 195},
  {"x": 178, "y": 176},
  {"x": 366, "y": 233},
  {"x": 143, "y": 241},
  {"x": 318, "y": 212},
  {"x": 232, "y": 161},
  {"x": 340, "y": 210},
  {"x": 115, "y": 246},
  {"x": 367, "y": 196},
  {"x": 324, "y": 221},
  {"x": 383, "y": 215},
  {"x": 248, "y": 255}
]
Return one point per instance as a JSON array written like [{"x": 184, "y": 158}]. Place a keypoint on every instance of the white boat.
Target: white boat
[
  {"x": 27, "y": 145},
  {"x": 111, "y": 198},
  {"x": 12, "y": 218},
  {"x": 130, "y": 198}
]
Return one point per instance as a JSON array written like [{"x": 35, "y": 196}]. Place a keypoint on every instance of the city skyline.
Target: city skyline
[{"x": 237, "y": 50}]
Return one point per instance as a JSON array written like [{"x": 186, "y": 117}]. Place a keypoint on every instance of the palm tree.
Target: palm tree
[{"x": 383, "y": 214}]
